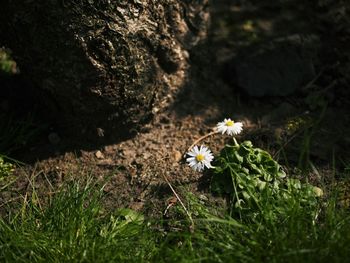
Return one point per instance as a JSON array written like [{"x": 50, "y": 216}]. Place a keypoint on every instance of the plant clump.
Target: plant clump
[{"x": 255, "y": 183}]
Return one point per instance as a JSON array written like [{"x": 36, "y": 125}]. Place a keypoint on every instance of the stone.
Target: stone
[
  {"x": 98, "y": 66},
  {"x": 282, "y": 111},
  {"x": 99, "y": 155},
  {"x": 177, "y": 156},
  {"x": 277, "y": 68}
]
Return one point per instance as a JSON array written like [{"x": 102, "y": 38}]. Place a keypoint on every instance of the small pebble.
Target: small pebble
[
  {"x": 177, "y": 156},
  {"x": 100, "y": 132},
  {"x": 99, "y": 155}
]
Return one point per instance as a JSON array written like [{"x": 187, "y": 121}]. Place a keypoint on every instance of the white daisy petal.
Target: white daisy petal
[
  {"x": 193, "y": 154},
  {"x": 190, "y": 159},
  {"x": 207, "y": 164},
  {"x": 193, "y": 164}
]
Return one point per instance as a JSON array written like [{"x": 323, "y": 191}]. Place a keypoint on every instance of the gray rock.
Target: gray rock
[
  {"x": 277, "y": 68},
  {"x": 284, "y": 110}
]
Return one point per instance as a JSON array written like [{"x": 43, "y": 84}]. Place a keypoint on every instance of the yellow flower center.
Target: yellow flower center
[
  {"x": 229, "y": 123},
  {"x": 200, "y": 157}
]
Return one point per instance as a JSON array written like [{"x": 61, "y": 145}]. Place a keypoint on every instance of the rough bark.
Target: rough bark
[{"x": 100, "y": 64}]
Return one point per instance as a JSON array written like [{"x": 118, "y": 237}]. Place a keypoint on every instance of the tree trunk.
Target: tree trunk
[{"x": 99, "y": 64}]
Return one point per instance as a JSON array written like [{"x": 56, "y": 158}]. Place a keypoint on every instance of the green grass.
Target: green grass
[
  {"x": 284, "y": 224},
  {"x": 74, "y": 226}
]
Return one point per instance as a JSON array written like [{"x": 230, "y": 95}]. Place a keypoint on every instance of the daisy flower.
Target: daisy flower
[
  {"x": 229, "y": 127},
  {"x": 200, "y": 158}
]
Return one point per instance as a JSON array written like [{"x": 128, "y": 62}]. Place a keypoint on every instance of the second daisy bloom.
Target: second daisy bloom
[{"x": 230, "y": 127}]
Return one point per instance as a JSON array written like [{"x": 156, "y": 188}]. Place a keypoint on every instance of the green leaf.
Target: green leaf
[
  {"x": 255, "y": 169},
  {"x": 238, "y": 157},
  {"x": 261, "y": 185},
  {"x": 268, "y": 177},
  {"x": 245, "y": 170},
  {"x": 131, "y": 215},
  {"x": 281, "y": 174},
  {"x": 246, "y": 195},
  {"x": 247, "y": 145}
]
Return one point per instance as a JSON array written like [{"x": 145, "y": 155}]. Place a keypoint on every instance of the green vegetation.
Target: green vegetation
[
  {"x": 71, "y": 228},
  {"x": 74, "y": 226},
  {"x": 257, "y": 184},
  {"x": 7, "y": 64},
  {"x": 264, "y": 213},
  {"x": 6, "y": 169}
]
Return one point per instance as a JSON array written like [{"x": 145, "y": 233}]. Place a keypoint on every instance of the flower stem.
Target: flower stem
[
  {"x": 200, "y": 139},
  {"x": 235, "y": 141}
]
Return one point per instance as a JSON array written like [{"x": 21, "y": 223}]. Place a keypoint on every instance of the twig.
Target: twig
[
  {"x": 287, "y": 142},
  {"x": 180, "y": 201},
  {"x": 32, "y": 185},
  {"x": 200, "y": 139},
  {"x": 310, "y": 83}
]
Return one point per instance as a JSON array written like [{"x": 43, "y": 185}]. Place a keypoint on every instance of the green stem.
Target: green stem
[{"x": 233, "y": 174}]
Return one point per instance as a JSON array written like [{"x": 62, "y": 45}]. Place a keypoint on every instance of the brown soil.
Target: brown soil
[{"x": 134, "y": 169}]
